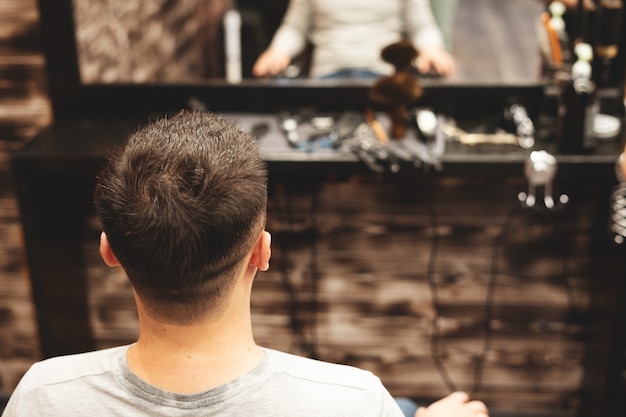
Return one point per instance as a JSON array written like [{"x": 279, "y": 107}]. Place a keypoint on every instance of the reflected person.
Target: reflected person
[
  {"x": 183, "y": 210},
  {"x": 348, "y": 35}
]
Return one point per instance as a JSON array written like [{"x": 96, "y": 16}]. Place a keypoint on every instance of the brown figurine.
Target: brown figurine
[{"x": 398, "y": 90}]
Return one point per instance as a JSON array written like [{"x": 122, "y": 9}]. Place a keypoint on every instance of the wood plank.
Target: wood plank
[
  {"x": 24, "y": 109},
  {"x": 349, "y": 284}
]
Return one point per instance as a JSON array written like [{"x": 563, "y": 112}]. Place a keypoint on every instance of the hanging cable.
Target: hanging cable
[
  {"x": 496, "y": 250},
  {"x": 314, "y": 277},
  {"x": 432, "y": 285},
  {"x": 489, "y": 301}
]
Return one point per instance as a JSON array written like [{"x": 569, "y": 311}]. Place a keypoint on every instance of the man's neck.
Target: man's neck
[{"x": 192, "y": 358}]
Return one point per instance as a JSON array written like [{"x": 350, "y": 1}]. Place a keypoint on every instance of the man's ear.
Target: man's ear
[
  {"x": 106, "y": 252},
  {"x": 262, "y": 252}
]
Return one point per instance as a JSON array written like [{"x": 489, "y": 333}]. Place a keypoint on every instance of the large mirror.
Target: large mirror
[{"x": 167, "y": 41}]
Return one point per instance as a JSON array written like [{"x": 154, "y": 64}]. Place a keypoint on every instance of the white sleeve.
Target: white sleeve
[
  {"x": 292, "y": 34},
  {"x": 420, "y": 23}
]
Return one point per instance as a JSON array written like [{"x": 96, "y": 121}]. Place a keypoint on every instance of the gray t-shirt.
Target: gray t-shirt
[
  {"x": 351, "y": 33},
  {"x": 101, "y": 384}
]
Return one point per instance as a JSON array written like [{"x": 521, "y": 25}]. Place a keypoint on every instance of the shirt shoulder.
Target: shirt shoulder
[
  {"x": 66, "y": 368},
  {"x": 319, "y": 388},
  {"x": 313, "y": 370}
]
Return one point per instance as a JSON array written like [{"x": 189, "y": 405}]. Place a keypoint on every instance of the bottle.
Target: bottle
[
  {"x": 578, "y": 105},
  {"x": 607, "y": 42},
  {"x": 557, "y": 10},
  {"x": 232, "y": 45}
]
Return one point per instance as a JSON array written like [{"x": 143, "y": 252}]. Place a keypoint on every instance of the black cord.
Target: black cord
[
  {"x": 489, "y": 301},
  {"x": 498, "y": 244},
  {"x": 314, "y": 278},
  {"x": 430, "y": 278}
]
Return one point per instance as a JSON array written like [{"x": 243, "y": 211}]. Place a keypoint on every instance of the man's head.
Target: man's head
[{"x": 181, "y": 206}]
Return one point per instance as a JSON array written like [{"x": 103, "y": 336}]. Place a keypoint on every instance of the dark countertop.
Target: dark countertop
[{"x": 78, "y": 144}]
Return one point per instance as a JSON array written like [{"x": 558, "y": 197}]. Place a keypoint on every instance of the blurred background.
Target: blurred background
[{"x": 24, "y": 109}]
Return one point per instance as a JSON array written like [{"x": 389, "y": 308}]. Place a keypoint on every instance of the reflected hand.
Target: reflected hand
[
  {"x": 271, "y": 62},
  {"x": 435, "y": 60},
  {"x": 570, "y": 4},
  {"x": 456, "y": 404}
]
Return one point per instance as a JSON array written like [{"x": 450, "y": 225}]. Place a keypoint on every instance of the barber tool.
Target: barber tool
[
  {"x": 438, "y": 146},
  {"x": 232, "y": 45},
  {"x": 289, "y": 124},
  {"x": 306, "y": 131},
  {"x": 366, "y": 146},
  {"x": 540, "y": 169},
  {"x": 376, "y": 127},
  {"x": 259, "y": 130},
  {"x": 607, "y": 39},
  {"x": 550, "y": 45},
  {"x": 498, "y": 138},
  {"x": 557, "y": 10},
  {"x": 345, "y": 126},
  {"x": 578, "y": 105},
  {"x": 585, "y": 14},
  {"x": 524, "y": 126},
  {"x": 425, "y": 152},
  {"x": 426, "y": 122},
  {"x": 325, "y": 132},
  {"x": 617, "y": 204},
  {"x": 318, "y": 127},
  {"x": 515, "y": 118}
]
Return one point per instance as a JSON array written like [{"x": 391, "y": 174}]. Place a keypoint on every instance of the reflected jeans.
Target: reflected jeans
[
  {"x": 408, "y": 406},
  {"x": 351, "y": 73}
]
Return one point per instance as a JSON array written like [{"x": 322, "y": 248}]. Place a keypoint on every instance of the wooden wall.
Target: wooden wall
[
  {"x": 512, "y": 290},
  {"x": 363, "y": 271},
  {"x": 24, "y": 108},
  {"x": 148, "y": 41}
]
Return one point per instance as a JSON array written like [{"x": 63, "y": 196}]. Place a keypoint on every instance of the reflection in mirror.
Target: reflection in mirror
[{"x": 165, "y": 41}]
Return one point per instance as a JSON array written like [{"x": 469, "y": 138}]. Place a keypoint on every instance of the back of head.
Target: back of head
[{"x": 181, "y": 204}]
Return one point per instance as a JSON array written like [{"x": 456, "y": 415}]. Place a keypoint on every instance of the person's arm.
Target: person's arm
[
  {"x": 288, "y": 41},
  {"x": 456, "y": 404},
  {"x": 426, "y": 36}
]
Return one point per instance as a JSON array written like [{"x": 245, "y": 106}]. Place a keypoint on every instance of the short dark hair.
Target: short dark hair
[{"x": 181, "y": 204}]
